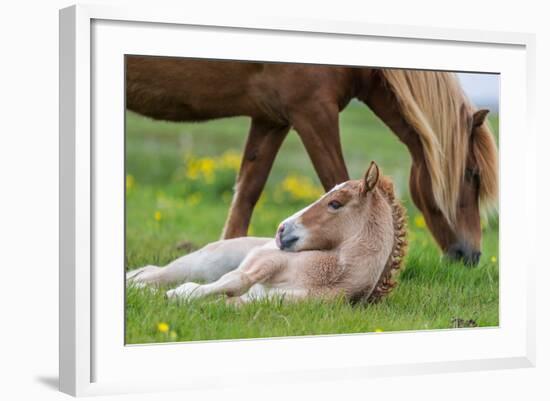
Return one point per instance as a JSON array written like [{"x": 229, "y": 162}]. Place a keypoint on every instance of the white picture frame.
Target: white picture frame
[{"x": 93, "y": 357}]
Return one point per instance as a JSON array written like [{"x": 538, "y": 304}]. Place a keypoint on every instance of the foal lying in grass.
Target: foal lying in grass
[{"x": 348, "y": 243}]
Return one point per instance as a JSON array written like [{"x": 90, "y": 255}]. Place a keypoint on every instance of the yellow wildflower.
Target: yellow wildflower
[
  {"x": 192, "y": 171},
  {"x": 163, "y": 327},
  {"x": 158, "y": 216},
  {"x": 419, "y": 221},
  {"x": 378, "y": 330},
  {"x": 207, "y": 168},
  {"x": 300, "y": 188},
  {"x": 230, "y": 160},
  {"x": 202, "y": 168},
  {"x": 493, "y": 259},
  {"x": 130, "y": 181}
]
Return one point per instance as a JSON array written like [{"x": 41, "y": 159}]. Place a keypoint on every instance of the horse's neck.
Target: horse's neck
[{"x": 383, "y": 103}]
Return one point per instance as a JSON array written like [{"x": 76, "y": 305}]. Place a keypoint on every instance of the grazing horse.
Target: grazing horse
[
  {"x": 348, "y": 243},
  {"x": 454, "y": 171}
]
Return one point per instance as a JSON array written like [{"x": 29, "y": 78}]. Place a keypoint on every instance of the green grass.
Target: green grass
[{"x": 167, "y": 213}]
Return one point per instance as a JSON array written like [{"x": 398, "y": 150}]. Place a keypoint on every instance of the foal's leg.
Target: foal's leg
[
  {"x": 258, "y": 267},
  {"x": 264, "y": 141},
  {"x": 317, "y": 126},
  {"x": 259, "y": 292},
  {"x": 207, "y": 264}
]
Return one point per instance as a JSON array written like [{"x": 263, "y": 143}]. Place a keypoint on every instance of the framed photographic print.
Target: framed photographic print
[{"x": 304, "y": 199}]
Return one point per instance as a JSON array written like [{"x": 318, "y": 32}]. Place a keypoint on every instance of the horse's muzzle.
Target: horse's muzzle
[{"x": 464, "y": 253}]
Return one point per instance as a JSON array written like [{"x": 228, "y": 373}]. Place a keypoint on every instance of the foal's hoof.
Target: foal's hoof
[
  {"x": 184, "y": 291},
  {"x": 143, "y": 275}
]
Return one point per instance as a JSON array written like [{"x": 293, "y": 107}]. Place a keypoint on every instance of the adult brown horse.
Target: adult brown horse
[{"x": 454, "y": 156}]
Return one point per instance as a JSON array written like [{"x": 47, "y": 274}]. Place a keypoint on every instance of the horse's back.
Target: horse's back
[
  {"x": 185, "y": 89},
  {"x": 180, "y": 89}
]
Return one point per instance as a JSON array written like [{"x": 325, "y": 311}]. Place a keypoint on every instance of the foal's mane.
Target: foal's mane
[
  {"x": 399, "y": 217},
  {"x": 435, "y": 106}
]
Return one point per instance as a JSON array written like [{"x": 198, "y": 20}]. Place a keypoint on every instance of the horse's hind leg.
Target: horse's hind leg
[
  {"x": 206, "y": 264},
  {"x": 263, "y": 143},
  {"x": 317, "y": 125}
]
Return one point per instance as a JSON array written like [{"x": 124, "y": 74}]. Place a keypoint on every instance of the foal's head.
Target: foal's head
[{"x": 339, "y": 215}]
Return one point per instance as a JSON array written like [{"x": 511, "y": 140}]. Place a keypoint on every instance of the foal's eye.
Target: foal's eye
[{"x": 334, "y": 204}]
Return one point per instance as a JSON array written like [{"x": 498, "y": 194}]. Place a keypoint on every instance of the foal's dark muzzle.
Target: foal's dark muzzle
[
  {"x": 464, "y": 253},
  {"x": 284, "y": 237}
]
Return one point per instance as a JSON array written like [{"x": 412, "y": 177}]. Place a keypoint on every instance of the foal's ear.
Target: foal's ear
[
  {"x": 371, "y": 178},
  {"x": 479, "y": 117}
]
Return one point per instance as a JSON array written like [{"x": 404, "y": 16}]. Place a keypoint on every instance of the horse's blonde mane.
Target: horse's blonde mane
[{"x": 434, "y": 104}]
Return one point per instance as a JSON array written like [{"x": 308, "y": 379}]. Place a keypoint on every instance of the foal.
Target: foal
[{"x": 348, "y": 243}]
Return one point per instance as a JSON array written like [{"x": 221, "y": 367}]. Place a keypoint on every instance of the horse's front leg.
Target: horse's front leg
[
  {"x": 258, "y": 267},
  {"x": 263, "y": 143},
  {"x": 317, "y": 125}
]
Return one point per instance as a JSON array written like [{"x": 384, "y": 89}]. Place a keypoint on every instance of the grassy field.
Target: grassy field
[{"x": 179, "y": 186}]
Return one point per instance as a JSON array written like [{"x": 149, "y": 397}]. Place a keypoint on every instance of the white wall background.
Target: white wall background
[{"x": 29, "y": 200}]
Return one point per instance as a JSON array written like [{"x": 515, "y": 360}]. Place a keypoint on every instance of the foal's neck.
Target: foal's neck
[{"x": 369, "y": 248}]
